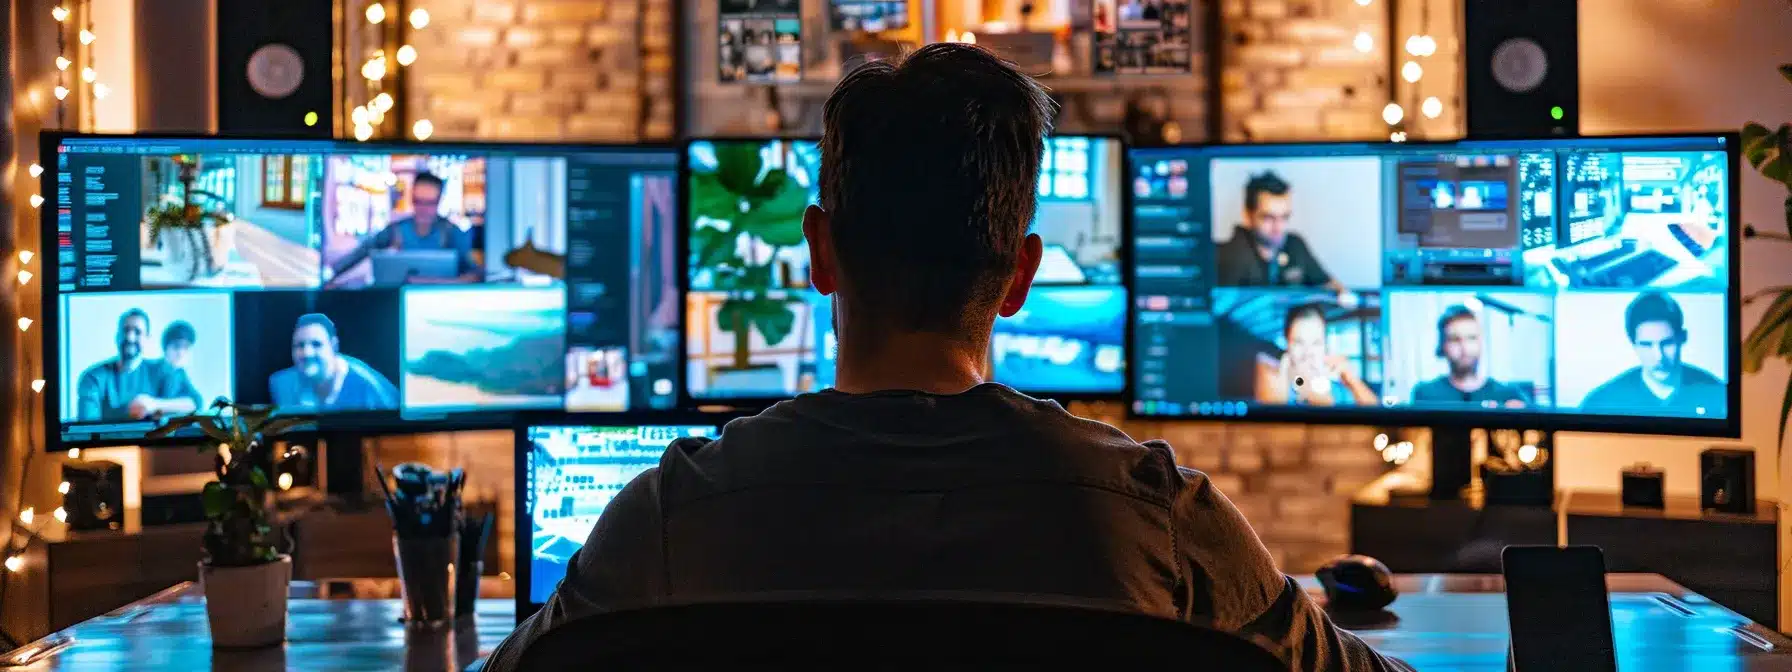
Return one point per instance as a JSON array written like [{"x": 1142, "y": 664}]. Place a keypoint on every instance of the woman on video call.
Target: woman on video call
[{"x": 1307, "y": 374}]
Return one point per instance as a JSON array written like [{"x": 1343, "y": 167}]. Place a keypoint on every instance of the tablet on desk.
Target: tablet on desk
[
  {"x": 1558, "y": 609},
  {"x": 567, "y": 475}
]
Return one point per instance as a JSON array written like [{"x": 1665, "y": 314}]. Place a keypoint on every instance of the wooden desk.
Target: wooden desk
[{"x": 1445, "y": 622}]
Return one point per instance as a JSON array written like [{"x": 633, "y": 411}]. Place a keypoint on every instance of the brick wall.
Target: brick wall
[
  {"x": 1294, "y": 70},
  {"x": 545, "y": 70}
]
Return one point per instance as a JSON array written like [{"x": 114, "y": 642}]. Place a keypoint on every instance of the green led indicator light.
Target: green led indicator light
[
  {"x": 1556, "y": 113},
  {"x": 311, "y": 118}
]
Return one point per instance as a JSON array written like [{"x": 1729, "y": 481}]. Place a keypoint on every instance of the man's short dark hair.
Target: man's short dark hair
[
  {"x": 318, "y": 319},
  {"x": 1266, "y": 182},
  {"x": 1654, "y": 307},
  {"x": 177, "y": 332},
  {"x": 425, "y": 177},
  {"x": 930, "y": 174},
  {"x": 1301, "y": 312},
  {"x": 134, "y": 312}
]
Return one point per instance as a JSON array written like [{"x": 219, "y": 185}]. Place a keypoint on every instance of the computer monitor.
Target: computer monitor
[
  {"x": 1563, "y": 283},
  {"x": 373, "y": 284},
  {"x": 568, "y": 471},
  {"x": 756, "y": 331}
]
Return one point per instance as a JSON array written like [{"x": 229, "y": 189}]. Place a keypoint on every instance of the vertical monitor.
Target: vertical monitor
[
  {"x": 755, "y": 330},
  {"x": 572, "y": 473},
  {"x": 370, "y": 284},
  {"x": 1583, "y": 283}
]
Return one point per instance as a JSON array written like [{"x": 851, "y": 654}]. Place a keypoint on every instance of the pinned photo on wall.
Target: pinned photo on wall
[
  {"x": 1143, "y": 37},
  {"x": 759, "y": 41}
]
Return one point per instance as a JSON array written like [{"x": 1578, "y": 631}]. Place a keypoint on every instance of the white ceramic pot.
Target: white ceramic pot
[{"x": 246, "y": 606}]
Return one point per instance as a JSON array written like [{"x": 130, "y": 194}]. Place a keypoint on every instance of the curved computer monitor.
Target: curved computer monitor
[
  {"x": 1562, "y": 283},
  {"x": 756, "y": 331},
  {"x": 384, "y": 287}
]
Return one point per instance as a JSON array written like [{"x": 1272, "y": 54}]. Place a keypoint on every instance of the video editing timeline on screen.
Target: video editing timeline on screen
[
  {"x": 757, "y": 330},
  {"x": 573, "y": 473},
  {"x": 1586, "y": 276},
  {"x": 371, "y": 284}
]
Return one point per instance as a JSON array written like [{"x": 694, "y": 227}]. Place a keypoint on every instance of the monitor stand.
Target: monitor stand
[
  {"x": 345, "y": 467},
  {"x": 1453, "y": 459}
]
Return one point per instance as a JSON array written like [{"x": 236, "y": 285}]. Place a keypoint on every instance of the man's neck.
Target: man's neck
[
  {"x": 1661, "y": 390},
  {"x": 1467, "y": 382},
  {"x": 423, "y": 228},
  {"x": 128, "y": 365},
  {"x": 919, "y": 361},
  {"x": 330, "y": 383}
]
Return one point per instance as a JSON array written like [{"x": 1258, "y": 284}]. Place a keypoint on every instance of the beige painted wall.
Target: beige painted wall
[{"x": 1669, "y": 65}]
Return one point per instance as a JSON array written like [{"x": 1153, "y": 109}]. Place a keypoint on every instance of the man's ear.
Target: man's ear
[
  {"x": 818, "y": 230},
  {"x": 1026, "y": 265}
]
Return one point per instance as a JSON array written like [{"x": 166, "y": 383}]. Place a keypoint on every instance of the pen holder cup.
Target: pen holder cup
[{"x": 426, "y": 577}]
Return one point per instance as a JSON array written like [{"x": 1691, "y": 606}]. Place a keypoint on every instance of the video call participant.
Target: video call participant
[
  {"x": 1657, "y": 329},
  {"x": 130, "y": 387},
  {"x": 1307, "y": 374},
  {"x": 1459, "y": 344},
  {"x": 323, "y": 379},
  {"x": 913, "y": 474},
  {"x": 177, "y": 344},
  {"x": 1263, "y": 252},
  {"x": 424, "y": 229}
]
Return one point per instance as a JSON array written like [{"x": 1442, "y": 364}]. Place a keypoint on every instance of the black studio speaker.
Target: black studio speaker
[
  {"x": 95, "y": 497},
  {"x": 1727, "y": 480},
  {"x": 1523, "y": 61},
  {"x": 274, "y": 67}
]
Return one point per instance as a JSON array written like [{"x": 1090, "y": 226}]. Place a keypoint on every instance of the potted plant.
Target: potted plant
[
  {"x": 196, "y": 235},
  {"x": 246, "y": 570},
  {"x": 756, "y": 211},
  {"x": 1770, "y": 152}
]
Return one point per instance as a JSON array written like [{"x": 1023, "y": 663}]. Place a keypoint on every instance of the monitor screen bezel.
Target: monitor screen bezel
[
  {"x": 360, "y": 423},
  {"x": 524, "y": 422},
  {"x": 1729, "y": 426},
  {"x": 689, "y": 400}
]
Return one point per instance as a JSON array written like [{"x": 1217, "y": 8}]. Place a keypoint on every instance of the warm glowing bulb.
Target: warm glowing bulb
[
  {"x": 25, "y": 256},
  {"x": 28, "y": 515},
  {"x": 24, "y": 277},
  {"x": 1427, "y": 45},
  {"x": 1381, "y": 441},
  {"x": 60, "y": 13},
  {"x": 358, "y": 115},
  {"x": 1363, "y": 3},
  {"x": 15, "y": 563},
  {"x": 60, "y": 514},
  {"x": 1412, "y": 71},
  {"x": 88, "y": 75},
  {"x": 24, "y": 324},
  {"x": 1397, "y": 136},
  {"x": 37, "y": 385},
  {"x": 61, "y": 92},
  {"x": 968, "y": 38},
  {"x": 74, "y": 453},
  {"x": 951, "y": 36},
  {"x": 1432, "y": 107},
  {"x": 100, "y": 91},
  {"x": 1415, "y": 46},
  {"x": 407, "y": 55},
  {"x": 285, "y": 481},
  {"x": 422, "y": 129},
  {"x": 374, "y": 68},
  {"x": 62, "y": 487},
  {"x": 1392, "y": 114},
  {"x": 37, "y": 200},
  {"x": 376, "y": 13},
  {"x": 382, "y": 102},
  {"x": 62, "y": 62},
  {"x": 1364, "y": 42},
  {"x": 86, "y": 36},
  {"x": 1527, "y": 453},
  {"x": 419, "y": 18},
  {"x": 363, "y": 132}
]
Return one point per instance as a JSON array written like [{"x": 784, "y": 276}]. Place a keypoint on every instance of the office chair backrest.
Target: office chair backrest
[{"x": 888, "y": 634}]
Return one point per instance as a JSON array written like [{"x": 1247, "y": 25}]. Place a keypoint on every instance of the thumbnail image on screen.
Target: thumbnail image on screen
[
  {"x": 1143, "y": 37},
  {"x": 1580, "y": 278},
  {"x": 364, "y": 282},
  {"x": 573, "y": 473},
  {"x": 756, "y": 329},
  {"x": 867, "y": 15},
  {"x": 760, "y": 42}
]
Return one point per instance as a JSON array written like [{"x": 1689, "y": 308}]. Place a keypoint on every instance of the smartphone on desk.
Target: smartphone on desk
[{"x": 1560, "y": 614}]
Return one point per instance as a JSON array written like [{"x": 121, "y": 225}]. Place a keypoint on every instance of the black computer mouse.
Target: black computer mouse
[{"x": 1357, "y": 583}]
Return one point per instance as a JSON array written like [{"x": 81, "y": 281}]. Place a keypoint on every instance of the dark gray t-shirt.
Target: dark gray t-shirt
[{"x": 987, "y": 492}]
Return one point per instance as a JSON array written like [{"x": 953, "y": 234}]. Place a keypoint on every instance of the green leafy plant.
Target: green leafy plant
[
  {"x": 188, "y": 216},
  {"x": 239, "y": 528},
  {"x": 1770, "y": 152},
  {"x": 757, "y": 210}
]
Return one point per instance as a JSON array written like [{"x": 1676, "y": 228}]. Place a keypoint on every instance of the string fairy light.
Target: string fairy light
[{"x": 386, "y": 63}]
